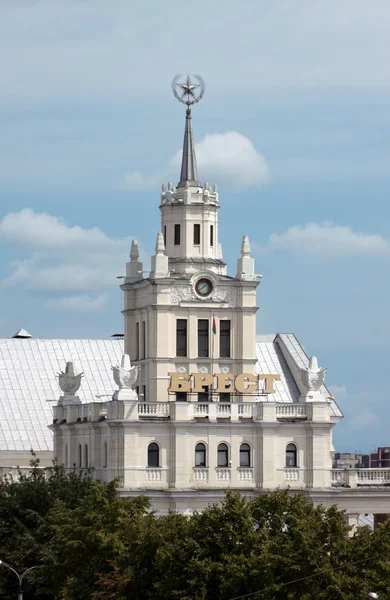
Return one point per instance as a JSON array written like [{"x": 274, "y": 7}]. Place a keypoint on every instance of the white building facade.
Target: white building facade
[{"x": 202, "y": 407}]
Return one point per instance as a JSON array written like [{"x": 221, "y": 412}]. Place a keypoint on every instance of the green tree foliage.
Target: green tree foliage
[{"x": 91, "y": 543}]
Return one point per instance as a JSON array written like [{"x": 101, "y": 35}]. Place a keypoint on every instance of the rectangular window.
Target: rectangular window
[
  {"x": 203, "y": 337},
  {"x": 211, "y": 235},
  {"x": 137, "y": 391},
  {"x": 165, "y": 235},
  {"x": 177, "y": 235},
  {"x": 204, "y": 396},
  {"x": 137, "y": 341},
  {"x": 224, "y": 397},
  {"x": 144, "y": 393},
  {"x": 196, "y": 234},
  {"x": 224, "y": 339},
  {"x": 143, "y": 340},
  {"x": 181, "y": 396},
  {"x": 181, "y": 337}
]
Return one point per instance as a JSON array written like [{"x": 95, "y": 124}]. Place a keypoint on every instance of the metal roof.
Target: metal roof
[{"x": 28, "y": 381}]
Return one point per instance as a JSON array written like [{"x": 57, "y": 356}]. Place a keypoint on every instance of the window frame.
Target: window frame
[
  {"x": 177, "y": 234},
  {"x": 196, "y": 234},
  {"x": 156, "y": 452},
  {"x": 245, "y": 448},
  {"x": 223, "y": 448},
  {"x": 225, "y": 333},
  {"x": 204, "y": 336},
  {"x": 291, "y": 453},
  {"x": 182, "y": 335},
  {"x": 201, "y": 463}
]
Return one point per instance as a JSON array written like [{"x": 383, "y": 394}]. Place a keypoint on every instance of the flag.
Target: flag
[{"x": 214, "y": 327}]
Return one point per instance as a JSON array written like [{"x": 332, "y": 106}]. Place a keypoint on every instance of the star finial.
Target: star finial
[{"x": 184, "y": 91}]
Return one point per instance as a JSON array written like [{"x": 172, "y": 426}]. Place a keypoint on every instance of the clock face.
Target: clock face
[{"x": 204, "y": 287}]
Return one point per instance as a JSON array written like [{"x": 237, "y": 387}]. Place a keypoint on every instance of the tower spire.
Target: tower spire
[{"x": 189, "y": 170}]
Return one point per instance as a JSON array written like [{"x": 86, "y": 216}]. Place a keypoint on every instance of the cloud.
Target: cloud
[
  {"x": 78, "y": 303},
  {"x": 229, "y": 158},
  {"x": 327, "y": 240},
  {"x": 60, "y": 258}
]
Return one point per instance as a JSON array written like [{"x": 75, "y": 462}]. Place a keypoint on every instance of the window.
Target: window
[
  {"x": 144, "y": 393},
  {"x": 86, "y": 458},
  {"x": 66, "y": 455},
  {"x": 137, "y": 391},
  {"x": 223, "y": 455},
  {"x": 211, "y": 235},
  {"x": 196, "y": 234},
  {"x": 181, "y": 337},
  {"x": 136, "y": 341},
  {"x": 245, "y": 455},
  {"x": 143, "y": 340},
  {"x": 200, "y": 455},
  {"x": 177, "y": 235},
  {"x": 203, "y": 337},
  {"x": 80, "y": 457},
  {"x": 204, "y": 396},
  {"x": 224, "y": 339},
  {"x": 105, "y": 454},
  {"x": 224, "y": 397},
  {"x": 153, "y": 455},
  {"x": 165, "y": 235},
  {"x": 291, "y": 455},
  {"x": 181, "y": 396}
]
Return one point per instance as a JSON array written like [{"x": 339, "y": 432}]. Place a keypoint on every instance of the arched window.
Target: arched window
[
  {"x": 105, "y": 454},
  {"x": 200, "y": 455},
  {"x": 80, "y": 457},
  {"x": 223, "y": 455},
  {"x": 291, "y": 455},
  {"x": 153, "y": 455},
  {"x": 86, "y": 455},
  {"x": 245, "y": 455}
]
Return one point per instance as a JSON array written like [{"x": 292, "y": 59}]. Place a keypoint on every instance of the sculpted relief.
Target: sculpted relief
[{"x": 221, "y": 294}]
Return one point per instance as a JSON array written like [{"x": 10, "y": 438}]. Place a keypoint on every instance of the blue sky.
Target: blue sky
[{"x": 294, "y": 128}]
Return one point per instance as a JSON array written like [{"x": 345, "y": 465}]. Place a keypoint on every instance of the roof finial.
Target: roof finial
[
  {"x": 134, "y": 252},
  {"x": 185, "y": 93}
]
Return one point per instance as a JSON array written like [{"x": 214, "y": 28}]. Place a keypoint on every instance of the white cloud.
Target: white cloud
[
  {"x": 329, "y": 240},
  {"x": 229, "y": 158},
  {"x": 60, "y": 258},
  {"x": 78, "y": 303}
]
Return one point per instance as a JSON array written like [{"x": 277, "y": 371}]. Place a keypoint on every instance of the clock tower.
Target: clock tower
[{"x": 189, "y": 316}]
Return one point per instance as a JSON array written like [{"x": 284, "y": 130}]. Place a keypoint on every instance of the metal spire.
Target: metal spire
[
  {"x": 189, "y": 171},
  {"x": 188, "y": 96}
]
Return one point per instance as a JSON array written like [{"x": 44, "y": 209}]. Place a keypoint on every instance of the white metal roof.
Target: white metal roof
[{"x": 28, "y": 381}]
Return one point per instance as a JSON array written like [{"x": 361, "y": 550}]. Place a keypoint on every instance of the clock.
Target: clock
[{"x": 204, "y": 287}]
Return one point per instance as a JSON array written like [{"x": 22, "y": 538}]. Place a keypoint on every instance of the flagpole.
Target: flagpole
[{"x": 212, "y": 352}]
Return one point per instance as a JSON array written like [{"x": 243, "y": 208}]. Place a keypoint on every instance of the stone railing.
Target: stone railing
[
  {"x": 152, "y": 474},
  {"x": 286, "y": 411},
  {"x": 353, "y": 478},
  {"x": 153, "y": 409},
  {"x": 222, "y": 474},
  {"x": 291, "y": 474},
  {"x": 201, "y": 474},
  {"x": 245, "y": 473},
  {"x": 338, "y": 477},
  {"x": 373, "y": 476}
]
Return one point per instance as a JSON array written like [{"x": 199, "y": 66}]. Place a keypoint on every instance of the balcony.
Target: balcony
[{"x": 353, "y": 478}]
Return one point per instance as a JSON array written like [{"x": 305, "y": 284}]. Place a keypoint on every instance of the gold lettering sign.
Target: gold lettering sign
[{"x": 245, "y": 383}]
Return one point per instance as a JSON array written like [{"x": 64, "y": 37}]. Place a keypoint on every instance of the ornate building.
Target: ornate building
[{"x": 202, "y": 406}]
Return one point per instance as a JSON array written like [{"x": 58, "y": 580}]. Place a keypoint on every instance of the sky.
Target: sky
[{"x": 294, "y": 127}]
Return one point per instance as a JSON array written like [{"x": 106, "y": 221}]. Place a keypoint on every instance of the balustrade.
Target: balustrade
[
  {"x": 245, "y": 474},
  {"x": 291, "y": 474},
  {"x": 291, "y": 410}
]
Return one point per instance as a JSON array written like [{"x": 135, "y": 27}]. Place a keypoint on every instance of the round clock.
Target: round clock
[{"x": 204, "y": 287}]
